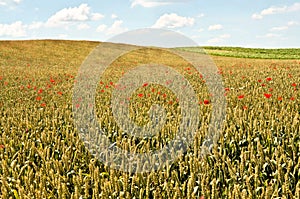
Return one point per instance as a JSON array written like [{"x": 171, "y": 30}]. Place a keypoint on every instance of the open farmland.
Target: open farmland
[
  {"x": 258, "y": 53},
  {"x": 42, "y": 156}
]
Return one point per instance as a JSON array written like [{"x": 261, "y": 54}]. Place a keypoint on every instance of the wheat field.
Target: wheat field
[{"x": 42, "y": 155}]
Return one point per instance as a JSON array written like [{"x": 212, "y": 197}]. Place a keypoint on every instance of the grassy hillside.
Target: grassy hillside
[
  {"x": 248, "y": 52},
  {"x": 42, "y": 155}
]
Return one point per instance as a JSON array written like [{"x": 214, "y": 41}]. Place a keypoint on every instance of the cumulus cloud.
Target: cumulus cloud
[
  {"x": 292, "y": 23},
  {"x": 115, "y": 28},
  {"x": 114, "y": 16},
  {"x": 74, "y": 14},
  {"x": 96, "y": 16},
  {"x": 269, "y": 35},
  {"x": 276, "y": 10},
  {"x": 16, "y": 29},
  {"x": 279, "y": 28},
  {"x": 173, "y": 21},
  {"x": 200, "y": 15},
  {"x": 215, "y": 27},
  {"x": 287, "y": 26},
  {"x": 154, "y": 3},
  {"x": 9, "y": 2},
  {"x": 101, "y": 28}
]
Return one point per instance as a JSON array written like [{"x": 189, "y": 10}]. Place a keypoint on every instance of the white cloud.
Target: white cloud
[
  {"x": 96, "y": 16},
  {"x": 200, "y": 15},
  {"x": 148, "y": 4},
  {"x": 257, "y": 16},
  {"x": 292, "y": 23},
  {"x": 114, "y": 16},
  {"x": 9, "y": 2},
  {"x": 154, "y": 3},
  {"x": 280, "y": 28},
  {"x": 173, "y": 21},
  {"x": 75, "y": 14},
  {"x": 215, "y": 27},
  {"x": 116, "y": 28},
  {"x": 277, "y": 10},
  {"x": 101, "y": 28},
  {"x": 83, "y": 26},
  {"x": 16, "y": 29},
  {"x": 269, "y": 35}
]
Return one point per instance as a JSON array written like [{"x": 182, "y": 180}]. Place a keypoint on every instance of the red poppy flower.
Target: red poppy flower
[
  {"x": 59, "y": 93},
  {"x": 227, "y": 89},
  {"x": 2, "y": 146},
  {"x": 40, "y": 91},
  {"x": 292, "y": 98},
  {"x": 102, "y": 91},
  {"x": 77, "y": 105},
  {"x": 270, "y": 89},
  {"x": 43, "y": 104},
  {"x": 279, "y": 98},
  {"x": 52, "y": 80},
  {"x": 164, "y": 95},
  {"x": 111, "y": 83},
  {"x": 263, "y": 85},
  {"x": 168, "y": 82},
  {"x": 146, "y": 84},
  {"x": 206, "y": 101},
  {"x": 245, "y": 107},
  {"x": 38, "y": 98},
  {"x": 267, "y": 95},
  {"x": 294, "y": 84},
  {"x": 241, "y": 96},
  {"x": 140, "y": 94},
  {"x": 268, "y": 78}
]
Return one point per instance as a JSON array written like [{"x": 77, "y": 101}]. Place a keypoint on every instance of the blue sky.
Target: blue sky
[{"x": 255, "y": 23}]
